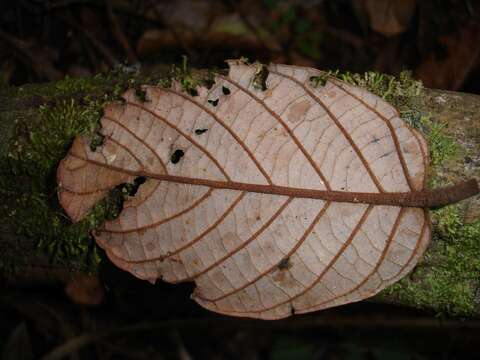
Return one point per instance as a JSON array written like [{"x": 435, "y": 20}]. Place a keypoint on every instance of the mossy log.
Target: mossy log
[{"x": 38, "y": 244}]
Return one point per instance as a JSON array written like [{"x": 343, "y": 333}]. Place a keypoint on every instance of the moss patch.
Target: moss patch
[
  {"x": 39, "y": 141},
  {"x": 188, "y": 80},
  {"x": 447, "y": 280},
  {"x": 403, "y": 92},
  {"x": 448, "y": 277}
]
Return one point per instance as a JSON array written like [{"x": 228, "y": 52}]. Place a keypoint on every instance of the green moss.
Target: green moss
[
  {"x": 189, "y": 81},
  {"x": 401, "y": 92},
  {"x": 321, "y": 80},
  {"x": 184, "y": 76},
  {"x": 65, "y": 88},
  {"x": 448, "y": 278},
  {"x": 28, "y": 173},
  {"x": 40, "y": 139},
  {"x": 450, "y": 273},
  {"x": 442, "y": 146},
  {"x": 39, "y": 146},
  {"x": 28, "y": 182},
  {"x": 259, "y": 81}
]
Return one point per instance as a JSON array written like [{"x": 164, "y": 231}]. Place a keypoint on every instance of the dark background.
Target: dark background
[{"x": 124, "y": 318}]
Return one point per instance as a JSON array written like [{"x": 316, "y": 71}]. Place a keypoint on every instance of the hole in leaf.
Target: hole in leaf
[
  {"x": 113, "y": 202},
  {"x": 96, "y": 140},
  {"x": 140, "y": 94},
  {"x": 136, "y": 185},
  {"x": 213, "y": 102},
  {"x": 139, "y": 180},
  {"x": 192, "y": 92},
  {"x": 200, "y": 131},
  {"x": 176, "y": 156},
  {"x": 260, "y": 78},
  {"x": 225, "y": 90}
]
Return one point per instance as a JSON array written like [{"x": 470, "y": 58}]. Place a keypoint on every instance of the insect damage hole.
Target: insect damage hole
[
  {"x": 200, "y": 131},
  {"x": 131, "y": 189},
  {"x": 260, "y": 78},
  {"x": 113, "y": 202},
  {"x": 192, "y": 91},
  {"x": 140, "y": 94},
  {"x": 225, "y": 90},
  {"x": 176, "y": 156},
  {"x": 96, "y": 140},
  {"x": 139, "y": 180},
  {"x": 213, "y": 102}
]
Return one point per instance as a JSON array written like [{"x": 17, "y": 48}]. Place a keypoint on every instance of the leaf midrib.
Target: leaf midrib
[{"x": 410, "y": 199}]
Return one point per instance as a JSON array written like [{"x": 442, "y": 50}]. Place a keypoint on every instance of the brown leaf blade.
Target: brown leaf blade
[{"x": 274, "y": 202}]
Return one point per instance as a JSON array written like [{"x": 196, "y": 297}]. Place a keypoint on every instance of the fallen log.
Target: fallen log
[{"x": 38, "y": 123}]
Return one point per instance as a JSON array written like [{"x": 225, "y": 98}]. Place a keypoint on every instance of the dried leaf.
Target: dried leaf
[{"x": 289, "y": 202}]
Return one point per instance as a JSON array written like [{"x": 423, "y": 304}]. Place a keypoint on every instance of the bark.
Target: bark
[{"x": 459, "y": 111}]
